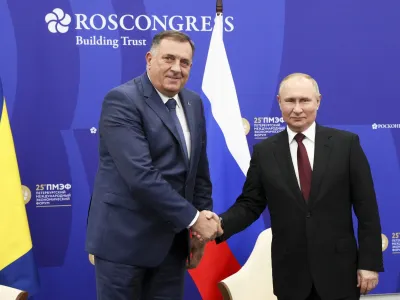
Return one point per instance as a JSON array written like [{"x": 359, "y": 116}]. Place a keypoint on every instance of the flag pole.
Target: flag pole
[{"x": 219, "y": 7}]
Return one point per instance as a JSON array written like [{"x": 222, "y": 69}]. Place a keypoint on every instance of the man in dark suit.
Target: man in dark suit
[
  {"x": 311, "y": 177},
  {"x": 153, "y": 182}
]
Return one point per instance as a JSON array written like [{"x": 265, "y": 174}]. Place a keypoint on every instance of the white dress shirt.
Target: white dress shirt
[
  {"x": 180, "y": 113},
  {"x": 309, "y": 144}
]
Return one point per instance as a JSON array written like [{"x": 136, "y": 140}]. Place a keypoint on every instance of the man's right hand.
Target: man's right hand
[
  {"x": 212, "y": 215},
  {"x": 205, "y": 227}
]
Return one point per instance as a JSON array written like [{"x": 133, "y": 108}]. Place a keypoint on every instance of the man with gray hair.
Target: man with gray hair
[
  {"x": 153, "y": 183},
  {"x": 310, "y": 177}
]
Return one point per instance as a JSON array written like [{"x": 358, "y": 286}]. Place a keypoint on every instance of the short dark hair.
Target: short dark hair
[{"x": 173, "y": 35}]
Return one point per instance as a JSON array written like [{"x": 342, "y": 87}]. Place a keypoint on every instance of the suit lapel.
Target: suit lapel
[
  {"x": 323, "y": 147},
  {"x": 157, "y": 105},
  {"x": 189, "y": 113},
  {"x": 284, "y": 159}
]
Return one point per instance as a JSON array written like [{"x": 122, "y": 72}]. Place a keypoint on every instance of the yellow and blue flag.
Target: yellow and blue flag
[{"x": 17, "y": 265}]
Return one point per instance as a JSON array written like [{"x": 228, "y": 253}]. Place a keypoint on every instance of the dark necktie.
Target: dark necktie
[
  {"x": 171, "y": 104},
  {"x": 304, "y": 166}
]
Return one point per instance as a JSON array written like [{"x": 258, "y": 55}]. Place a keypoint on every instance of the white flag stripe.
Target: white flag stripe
[{"x": 219, "y": 87}]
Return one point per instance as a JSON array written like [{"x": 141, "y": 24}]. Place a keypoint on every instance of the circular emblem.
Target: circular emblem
[
  {"x": 91, "y": 259},
  {"x": 246, "y": 126},
  {"x": 26, "y": 193},
  {"x": 385, "y": 242}
]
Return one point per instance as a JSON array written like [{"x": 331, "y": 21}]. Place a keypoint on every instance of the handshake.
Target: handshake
[
  {"x": 207, "y": 226},
  {"x": 205, "y": 229}
]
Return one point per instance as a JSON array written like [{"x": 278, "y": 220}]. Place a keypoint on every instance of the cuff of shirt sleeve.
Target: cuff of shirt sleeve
[{"x": 194, "y": 220}]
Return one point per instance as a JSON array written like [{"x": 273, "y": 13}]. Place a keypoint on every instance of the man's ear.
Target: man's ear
[
  {"x": 278, "y": 98},
  {"x": 149, "y": 58}
]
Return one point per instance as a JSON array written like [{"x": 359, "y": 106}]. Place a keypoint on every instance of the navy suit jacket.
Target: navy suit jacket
[{"x": 145, "y": 190}]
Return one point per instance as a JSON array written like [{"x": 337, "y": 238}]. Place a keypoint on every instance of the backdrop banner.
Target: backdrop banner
[{"x": 59, "y": 58}]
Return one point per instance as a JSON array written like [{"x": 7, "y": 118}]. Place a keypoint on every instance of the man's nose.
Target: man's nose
[
  {"x": 297, "y": 108},
  {"x": 176, "y": 66}
]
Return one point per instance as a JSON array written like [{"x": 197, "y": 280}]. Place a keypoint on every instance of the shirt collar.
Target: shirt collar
[
  {"x": 309, "y": 133},
  {"x": 165, "y": 98}
]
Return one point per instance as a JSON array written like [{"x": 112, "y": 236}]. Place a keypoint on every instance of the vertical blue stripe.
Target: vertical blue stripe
[
  {"x": 1, "y": 100},
  {"x": 21, "y": 274},
  {"x": 228, "y": 179}
]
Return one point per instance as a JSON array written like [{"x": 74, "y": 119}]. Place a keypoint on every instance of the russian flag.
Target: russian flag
[
  {"x": 17, "y": 266},
  {"x": 229, "y": 159}
]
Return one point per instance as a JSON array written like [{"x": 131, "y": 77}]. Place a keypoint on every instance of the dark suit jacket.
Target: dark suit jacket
[
  {"x": 145, "y": 191},
  {"x": 314, "y": 242}
]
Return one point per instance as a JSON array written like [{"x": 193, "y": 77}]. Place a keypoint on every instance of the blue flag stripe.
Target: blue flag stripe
[
  {"x": 1, "y": 99},
  {"x": 21, "y": 274},
  {"x": 228, "y": 179}
]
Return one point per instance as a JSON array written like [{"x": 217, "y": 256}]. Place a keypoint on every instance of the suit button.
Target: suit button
[{"x": 308, "y": 215}]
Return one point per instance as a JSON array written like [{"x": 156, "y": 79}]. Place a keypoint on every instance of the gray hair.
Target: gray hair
[
  {"x": 302, "y": 75},
  {"x": 173, "y": 35}
]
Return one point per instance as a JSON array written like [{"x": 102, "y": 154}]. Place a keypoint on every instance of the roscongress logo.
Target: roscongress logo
[
  {"x": 385, "y": 126},
  {"x": 58, "y": 21},
  {"x": 94, "y": 30}
]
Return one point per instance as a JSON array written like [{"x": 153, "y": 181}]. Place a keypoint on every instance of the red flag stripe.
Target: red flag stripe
[{"x": 217, "y": 263}]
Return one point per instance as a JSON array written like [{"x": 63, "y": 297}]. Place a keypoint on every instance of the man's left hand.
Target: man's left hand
[
  {"x": 210, "y": 216},
  {"x": 196, "y": 252},
  {"x": 367, "y": 281}
]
